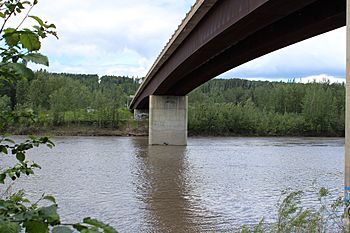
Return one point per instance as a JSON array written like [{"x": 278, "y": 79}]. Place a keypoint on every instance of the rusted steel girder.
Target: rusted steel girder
[{"x": 234, "y": 32}]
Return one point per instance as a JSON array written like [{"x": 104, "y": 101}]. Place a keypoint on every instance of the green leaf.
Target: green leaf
[
  {"x": 323, "y": 192},
  {"x": 44, "y": 139},
  {"x": 79, "y": 227},
  {"x": 20, "y": 156},
  {"x": 94, "y": 222},
  {"x": 36, "y": 227},
  {"x": 50, "y": 214},
  {"x": 42, "y": 23},
  {"x": 36, "y": 58},
  {"x": 3, "y": 149},
  {"x": 61, "y": 229},
  {"x": 11, "y": 36},
  {"x": 9, "y": 140},
  {"x": 35, "y": 165},
  {"x": 30, "y": 41},
  {"x": 51, "y": 26},
  {"x": 10, "y": 227},
  {"x": 2, "y": 178},
  {"x": 21, "y": 69},
  {"x": 50, "y": 198},
  {"x": 36, "y": 18}
]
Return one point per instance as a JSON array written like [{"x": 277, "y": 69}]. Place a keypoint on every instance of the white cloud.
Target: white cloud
[
  {"x": 321, "y": 78},
  {"x": 321, "y": 54},
  {"x": 110, "y": 35},
  {"x": 125, "y": 37}
]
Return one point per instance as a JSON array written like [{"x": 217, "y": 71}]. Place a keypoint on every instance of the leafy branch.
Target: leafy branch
[
  {"x": 17, "y": 213},
  {"x": 292, "y": 216}
]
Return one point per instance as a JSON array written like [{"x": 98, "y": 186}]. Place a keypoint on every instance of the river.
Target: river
[{"x": 212, "y": 185}]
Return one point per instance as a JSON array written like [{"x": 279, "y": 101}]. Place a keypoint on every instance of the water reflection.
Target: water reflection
[
  {"x": 212, "y": 185},
  {"x": 216, "y": 187},
  {"x": 164, "y": 188}
]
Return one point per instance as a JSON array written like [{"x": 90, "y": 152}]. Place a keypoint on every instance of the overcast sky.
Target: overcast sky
[{"x": 124, "y": 38}]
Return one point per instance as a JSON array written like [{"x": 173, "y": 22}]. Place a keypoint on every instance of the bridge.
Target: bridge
[{"x": 216, "y": 36}]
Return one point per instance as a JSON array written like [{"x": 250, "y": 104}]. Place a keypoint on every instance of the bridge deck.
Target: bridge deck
[{"x": 219, "y": 36}]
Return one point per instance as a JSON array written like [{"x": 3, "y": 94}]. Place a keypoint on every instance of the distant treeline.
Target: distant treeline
[
  {"x": 219, "y": 107},
  {"x": 235, "y": 107},
  {"x": 64, "y": 99}
]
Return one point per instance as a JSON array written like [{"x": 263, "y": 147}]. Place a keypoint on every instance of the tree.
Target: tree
[
  {"x": 18, "y": 47},
  {"x": 73, "y": 96},
  {"x": 319, "y": 108}
]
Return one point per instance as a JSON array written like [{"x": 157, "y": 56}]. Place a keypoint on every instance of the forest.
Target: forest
[
  {"x": 241, "y": 107},
  {"x": 58, "y": 100},
  {"x": 226, "y": 107}
]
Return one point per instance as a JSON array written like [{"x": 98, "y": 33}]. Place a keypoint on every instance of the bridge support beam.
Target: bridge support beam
[
  {"x": 347, "y": 122},
  {"x": 168, "y": 120}
]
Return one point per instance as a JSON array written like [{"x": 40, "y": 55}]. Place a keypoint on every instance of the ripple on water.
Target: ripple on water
[{"x": 212, "y": 185}]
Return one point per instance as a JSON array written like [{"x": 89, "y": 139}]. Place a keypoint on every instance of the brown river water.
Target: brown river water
[{"x": 212, "y": 185}]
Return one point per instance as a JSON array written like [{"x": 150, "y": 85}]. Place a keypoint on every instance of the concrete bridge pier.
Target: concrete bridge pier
[{"x": 168, "y": 120}]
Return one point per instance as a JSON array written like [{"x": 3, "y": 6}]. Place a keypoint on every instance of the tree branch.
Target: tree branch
[
  {"x": 8, "y": 17},
  {"x": 25, "y": 17}
]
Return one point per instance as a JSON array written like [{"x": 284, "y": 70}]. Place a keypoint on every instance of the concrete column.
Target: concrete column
[
  {"x": 347, "y": 119},
  {"x": 168, "y": 120}
]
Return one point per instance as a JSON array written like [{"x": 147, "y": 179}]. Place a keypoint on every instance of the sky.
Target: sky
[{"x": 114, "y": 37}]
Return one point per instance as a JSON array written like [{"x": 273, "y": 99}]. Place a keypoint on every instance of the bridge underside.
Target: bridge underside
[{"x": 235, "y": 32}]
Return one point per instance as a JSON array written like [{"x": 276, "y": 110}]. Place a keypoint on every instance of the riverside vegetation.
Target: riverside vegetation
[
  {"x": 293, "y": 217},
  {"x": 44, "y": 100},
  {"x": 219, "y": 107},
  {"x": 20, "y": 45}
]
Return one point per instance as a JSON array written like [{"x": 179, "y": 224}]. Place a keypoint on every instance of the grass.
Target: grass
[{"x": 293, "y": 217}]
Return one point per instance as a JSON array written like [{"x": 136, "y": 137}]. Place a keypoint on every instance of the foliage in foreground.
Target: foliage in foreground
[
  {"x": 292, "y": 217},
  {"x": 17, "y": 214}
]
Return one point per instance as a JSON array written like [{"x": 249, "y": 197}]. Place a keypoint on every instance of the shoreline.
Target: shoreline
[{"x": 90, "y": 131}]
